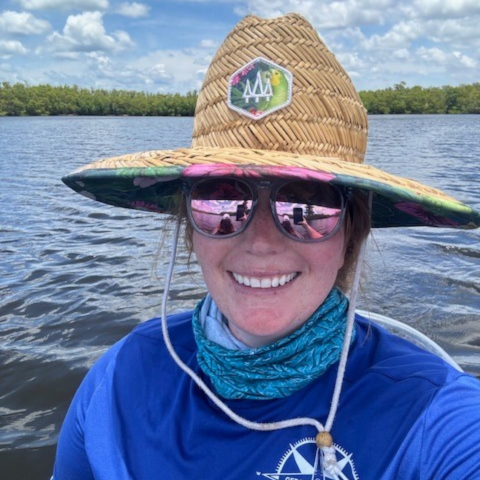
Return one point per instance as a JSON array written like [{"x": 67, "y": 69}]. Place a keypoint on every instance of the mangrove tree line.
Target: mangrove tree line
[
  {"x": 20, "y": 99},
  {"x": 402, "y": 99}
]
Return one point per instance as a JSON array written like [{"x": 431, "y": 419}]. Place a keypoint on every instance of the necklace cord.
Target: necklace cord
[
  {"x": 348, "y": 328},
  {"x": 329, "y": 462},
  {"x": 294, "y": 422}
]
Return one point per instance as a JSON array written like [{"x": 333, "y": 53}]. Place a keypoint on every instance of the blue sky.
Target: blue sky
[{"x": 166, "y": 45}]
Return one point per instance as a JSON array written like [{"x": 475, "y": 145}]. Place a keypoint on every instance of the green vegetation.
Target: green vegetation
[
  {"x": 19, "y": 99},
  {"x": 401, "y": 99}
]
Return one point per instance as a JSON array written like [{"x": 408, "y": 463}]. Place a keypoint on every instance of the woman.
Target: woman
[
  {"x": 264, "y": 388},
  {"x": 225, "y": 227}
]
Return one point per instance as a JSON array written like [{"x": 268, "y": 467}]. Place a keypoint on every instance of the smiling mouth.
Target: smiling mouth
[{"x": 265, "y": 282}]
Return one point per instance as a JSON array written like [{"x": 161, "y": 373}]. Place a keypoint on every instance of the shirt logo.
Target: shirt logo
[
  {"x": 302, "y": 462},
  {"x": 259, "y": 88}
]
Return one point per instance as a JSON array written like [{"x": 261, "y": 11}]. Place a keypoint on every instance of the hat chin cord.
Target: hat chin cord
[{"x": 323, "y": 439}]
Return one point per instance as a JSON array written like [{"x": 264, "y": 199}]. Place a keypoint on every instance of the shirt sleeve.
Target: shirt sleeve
[
  {"x": 451, "y": 435},
  {"x": 71, "y": 461}
]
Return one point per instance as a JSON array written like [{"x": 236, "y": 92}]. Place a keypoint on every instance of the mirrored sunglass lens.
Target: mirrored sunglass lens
[
  {"x": 308, "y": 211},
  {"x": 220, "y": 207}
]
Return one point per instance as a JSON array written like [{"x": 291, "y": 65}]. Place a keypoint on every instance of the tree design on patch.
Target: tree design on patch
[{"x": 259, "y": 88}]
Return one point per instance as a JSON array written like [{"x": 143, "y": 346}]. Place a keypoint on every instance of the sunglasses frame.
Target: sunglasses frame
[{"x": 265, "y": 184}]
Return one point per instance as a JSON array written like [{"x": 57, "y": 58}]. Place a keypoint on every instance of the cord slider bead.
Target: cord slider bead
[{"x": 323, "y": 439}]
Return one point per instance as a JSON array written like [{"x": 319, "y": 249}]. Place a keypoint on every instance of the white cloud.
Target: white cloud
[
  {"x": 208, "y": 44},
  {"x": 6, "y": 67},
  {"x": 445, "y": 8},
  {"x": 22, "y": 23},
  {"x": 434, "y": 55},
  {"x": 64, "y": 4},
  {"x": 103, "y": 71},
  {"x": 85, "y": 33},
  {"x": 401, "y": 54},
  {"x": 123, "y": 40},
  {"x": 68, "y": 55},
  {"x": 326, "y": 14},
  {"x": 185, "y": 69},
  {"x": 379, "y": 42},
  {"x": 445, "y": 59},
  {"x": 461, "y": 33},
  {"x": 10, "y": 74},
  {"x": 398, "y": 37},
  {"x": 351, "y": 61},
  {"x": 132, "y": 10},
  {"x": 465, "y": 61},
  {"x": 9, "y": 48}
]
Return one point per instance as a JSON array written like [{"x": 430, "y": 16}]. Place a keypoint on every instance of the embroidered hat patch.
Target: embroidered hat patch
[{"x": 259, "y": 88}]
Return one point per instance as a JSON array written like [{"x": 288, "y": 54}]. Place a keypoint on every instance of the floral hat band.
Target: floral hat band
[{"x": 275, "y": 102}]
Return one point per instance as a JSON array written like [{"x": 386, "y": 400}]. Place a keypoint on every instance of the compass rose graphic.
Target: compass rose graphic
[{"x": 302, "y": 462}]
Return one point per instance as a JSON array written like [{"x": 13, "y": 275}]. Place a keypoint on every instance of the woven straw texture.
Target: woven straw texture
[
  {"x": 326, "y": 117},
  {"x": 319, "y": 134}
]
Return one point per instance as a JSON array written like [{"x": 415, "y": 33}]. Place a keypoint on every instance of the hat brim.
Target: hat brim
[{"x": 151, "y": 181}]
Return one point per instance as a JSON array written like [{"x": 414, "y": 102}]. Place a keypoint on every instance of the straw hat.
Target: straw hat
[{"x": 275, "y": 102}]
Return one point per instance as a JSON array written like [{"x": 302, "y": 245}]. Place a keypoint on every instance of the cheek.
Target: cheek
[
  {"x": 334, "y": 251},
  {"x": 341, "y": 254},
  {"x": 210, "y": 254},
  {"x": 329, "y": 259},
  {"x": 196, "y": 243},
  {"x": 200, "y": 249}
]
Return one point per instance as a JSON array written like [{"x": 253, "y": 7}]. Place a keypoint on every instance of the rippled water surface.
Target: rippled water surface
[{"x": 77, "y": 275}]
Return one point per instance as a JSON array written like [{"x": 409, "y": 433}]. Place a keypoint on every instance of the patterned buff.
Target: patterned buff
[{"x": 281, "y": 368}]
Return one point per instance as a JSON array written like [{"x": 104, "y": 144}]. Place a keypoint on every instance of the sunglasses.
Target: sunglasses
[{"x": 302, "y": 211}]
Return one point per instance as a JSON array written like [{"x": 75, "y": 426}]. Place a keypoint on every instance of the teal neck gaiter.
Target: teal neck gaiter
[{"x": 281, "y": 368}]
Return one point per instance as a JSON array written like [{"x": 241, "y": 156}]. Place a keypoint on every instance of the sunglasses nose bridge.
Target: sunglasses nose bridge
[
  {"x": 263, "y": 214},
  {"x": 264, "y": 185}
]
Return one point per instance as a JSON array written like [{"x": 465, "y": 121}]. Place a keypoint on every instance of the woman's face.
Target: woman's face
[{"x": 262, "y": 256}]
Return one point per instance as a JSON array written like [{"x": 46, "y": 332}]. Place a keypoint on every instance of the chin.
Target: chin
[{"x": 262, "y": 330}]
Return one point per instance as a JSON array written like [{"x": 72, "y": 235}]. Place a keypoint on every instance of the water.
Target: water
[{"x": 76, "y": 276}]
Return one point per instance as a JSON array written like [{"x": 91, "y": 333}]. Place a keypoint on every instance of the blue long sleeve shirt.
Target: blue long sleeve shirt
[{"x": 403, "y": 414}]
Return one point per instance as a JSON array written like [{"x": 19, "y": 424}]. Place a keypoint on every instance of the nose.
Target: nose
[{"x": 262, "y": 236}]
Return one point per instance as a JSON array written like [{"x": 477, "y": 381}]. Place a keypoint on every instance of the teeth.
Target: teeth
[
  {"x": 266, "y": 283},
  {"x": 271, "y": 282}
]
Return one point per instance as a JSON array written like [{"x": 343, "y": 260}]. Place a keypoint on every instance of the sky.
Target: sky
[{"x": 166, "y": 45}]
